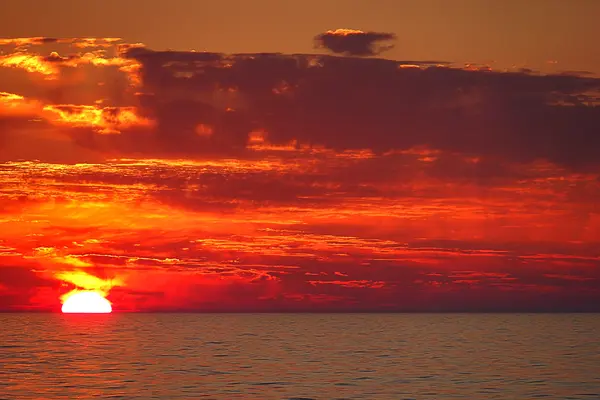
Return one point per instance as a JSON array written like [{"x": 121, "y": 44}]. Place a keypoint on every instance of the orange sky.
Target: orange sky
[
  {"x": 510, "y": 32},
  {"x": 318, "y": 179}
]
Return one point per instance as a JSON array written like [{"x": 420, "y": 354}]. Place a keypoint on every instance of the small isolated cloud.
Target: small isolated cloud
[{"x": 352, "y": 42}]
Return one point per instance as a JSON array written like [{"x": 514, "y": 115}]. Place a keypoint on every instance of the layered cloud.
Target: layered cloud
[
  {"x": 206, "y": 181},
  {"x": 193, "y": 103}
]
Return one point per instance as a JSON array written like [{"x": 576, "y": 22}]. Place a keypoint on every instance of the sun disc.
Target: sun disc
[{"x": 86, "y": 302}]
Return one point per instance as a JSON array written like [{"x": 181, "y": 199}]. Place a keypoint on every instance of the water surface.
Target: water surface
[{"x": 300, "y": 356}]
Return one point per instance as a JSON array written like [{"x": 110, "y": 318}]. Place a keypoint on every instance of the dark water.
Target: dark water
[{"x": 302, "y": 356}]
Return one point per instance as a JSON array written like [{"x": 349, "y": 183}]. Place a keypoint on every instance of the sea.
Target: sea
[{"x": 300, "y": 356}]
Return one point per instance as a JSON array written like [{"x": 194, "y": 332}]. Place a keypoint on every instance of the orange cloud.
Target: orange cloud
[
  {"x": 105, "y": 120},
  {"x": 8, "y": 98},
  {"x": 50, "y": 65},
  {"x": 18, "y": 42},
  {"x": 96, "y": 59},
  {"x": 30, "y": 63},
  {"x": 13, "y": 104},
  {"x": 95, "y": 42},
  {"x": 344, "y": 32},
  {"x": 76, "y": 42},
  {"x": 85, "y": 281}
]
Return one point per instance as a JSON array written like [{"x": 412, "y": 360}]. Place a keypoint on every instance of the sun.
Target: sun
[{"x": 86, "y": 302}]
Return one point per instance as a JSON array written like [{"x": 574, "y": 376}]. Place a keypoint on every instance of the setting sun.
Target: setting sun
[{"x": 86, "y": 302}]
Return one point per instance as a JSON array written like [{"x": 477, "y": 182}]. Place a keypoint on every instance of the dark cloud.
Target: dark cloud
[
  {"x": 208, "y": 103},
  {"x": 18, "y": 284},
  {"x": 21, "y": 278},
  {"x": 349, "y": 103},
  {"x": 353, "y": 42}
]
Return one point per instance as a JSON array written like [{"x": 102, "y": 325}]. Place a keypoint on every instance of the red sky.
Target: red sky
[{"x": 339, "y": 174}]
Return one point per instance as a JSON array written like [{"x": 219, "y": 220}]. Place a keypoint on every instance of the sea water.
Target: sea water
[{"x": 300, "y": 356}]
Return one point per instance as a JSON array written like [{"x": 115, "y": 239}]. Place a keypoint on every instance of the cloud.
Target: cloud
[
  {"x": 19, "y": 285},
  {"x": 30, "y": 63},
  {"x": 82, "y": 280},
  {"x": 346, "y": 103},
  {"x": 351, "y": 42},
  {"x": 191, "y": 104},
  {"x": 271, "y": 181},
  {"x": 77, "y": 42},
  {"x": 105, "y": 120}
]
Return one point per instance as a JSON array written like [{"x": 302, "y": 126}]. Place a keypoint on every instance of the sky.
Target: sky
[{"x": 301, "y": 156}]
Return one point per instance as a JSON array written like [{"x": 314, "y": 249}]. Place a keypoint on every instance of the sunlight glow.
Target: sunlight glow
[{"x": 86, "y": 302}]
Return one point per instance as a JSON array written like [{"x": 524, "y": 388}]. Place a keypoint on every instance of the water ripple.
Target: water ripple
[{"x": 299, "y": 357}]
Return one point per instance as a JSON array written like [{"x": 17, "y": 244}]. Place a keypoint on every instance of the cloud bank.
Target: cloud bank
[{"x": 210, "y": 181}]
